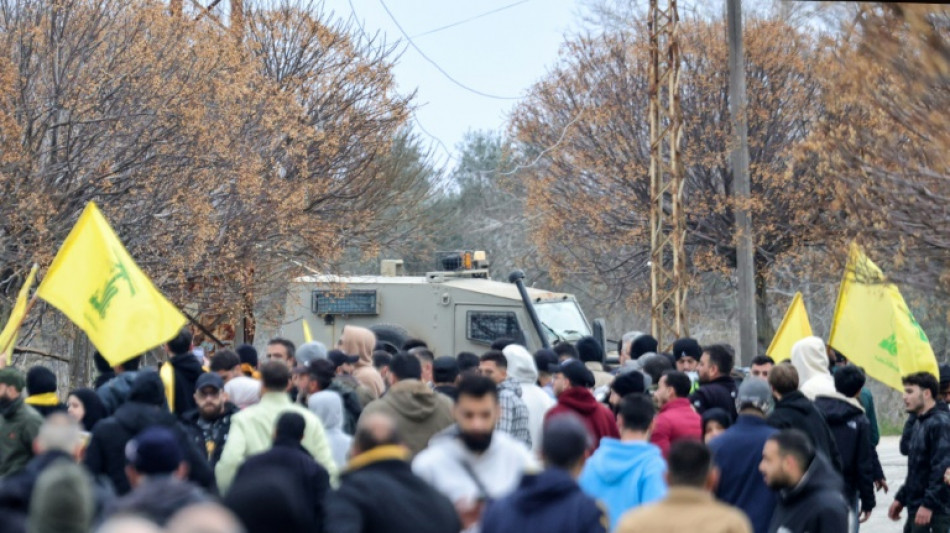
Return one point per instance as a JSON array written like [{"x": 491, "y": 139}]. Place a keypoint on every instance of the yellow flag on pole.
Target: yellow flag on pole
[
  {"x": 307, "y": 336},
  {"x": 11, "y": 331},
  {"x": 794, "y": 327},
  {"x": 94, "y": 281},
  {"x": 873, "y": 327}
]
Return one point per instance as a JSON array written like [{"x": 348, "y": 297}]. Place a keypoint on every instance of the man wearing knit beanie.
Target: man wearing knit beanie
[
  {"x": 19, "y": 423},
  {"x": 41, "y": 391}
]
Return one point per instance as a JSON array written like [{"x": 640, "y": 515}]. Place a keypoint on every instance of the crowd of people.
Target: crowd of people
[{"x": 358, "y": 439}]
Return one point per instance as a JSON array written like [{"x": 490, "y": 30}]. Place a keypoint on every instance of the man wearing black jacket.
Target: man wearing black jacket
[
  {"x": 717, "y": 388},
  {"x": 182, "y": 375},
  {"x": 209, "y": 424},
  {"x": 794, "y": 411},
  {"x": 809, "y": 490}
]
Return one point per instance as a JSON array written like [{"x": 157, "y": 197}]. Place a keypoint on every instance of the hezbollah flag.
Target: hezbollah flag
[
  {"x": 794, "y": 327},
  {"x": 873, "y": 327},
  {"x": 11, "y": 331},
  {"x": 94, "y": 281}
]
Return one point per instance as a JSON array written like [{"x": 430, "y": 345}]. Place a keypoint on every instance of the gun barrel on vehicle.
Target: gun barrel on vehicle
[{"x": 517, "y": 277}]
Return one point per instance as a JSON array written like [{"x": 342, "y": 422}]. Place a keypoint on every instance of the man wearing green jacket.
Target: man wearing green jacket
[
  {"x": 19, "y": 423},
  {"x": 252, "y": 429}
]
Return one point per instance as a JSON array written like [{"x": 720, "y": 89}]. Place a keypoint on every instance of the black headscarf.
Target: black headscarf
[{"x": 95, "y": 410}]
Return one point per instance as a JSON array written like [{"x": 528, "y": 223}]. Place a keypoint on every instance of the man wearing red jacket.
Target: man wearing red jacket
[
  {"x": 676, "y": 420},
  {"x": 572, "y": 382}
]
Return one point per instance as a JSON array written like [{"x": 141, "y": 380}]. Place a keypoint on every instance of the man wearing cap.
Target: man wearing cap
[
  {"x": 19, "y": 423},
  {"x": 572, "y": 382},
  {"x": 738, "y": 451},
  {"x": 419, "y": 412},
  {"x": 209, "y": 423},
  {"x": 41, "y": 391},
  {"x": 686, "y": 353},
  {"x": 445, "y": 373},
  {"x": 632, "y": 382}
]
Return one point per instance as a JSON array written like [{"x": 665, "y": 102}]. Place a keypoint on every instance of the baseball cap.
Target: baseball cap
[
  {"x": 154, "y": 451},
  {"x": 575, "y": 372},
  {"x": 309, "y": 352},
  {"x": 339, "y": 358},
  {"x": 754, "y": 392},
  {"x": 209, "y": 379}
]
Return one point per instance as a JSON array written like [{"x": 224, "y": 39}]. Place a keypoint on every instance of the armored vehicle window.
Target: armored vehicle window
[{"x": 487, "y": 326}]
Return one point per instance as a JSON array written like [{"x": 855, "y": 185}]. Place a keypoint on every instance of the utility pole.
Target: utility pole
[{"x": 739, "y": 159}]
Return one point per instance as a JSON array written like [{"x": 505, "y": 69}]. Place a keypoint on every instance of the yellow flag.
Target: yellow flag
[
  {"x": 94, "y": 281},
  {"x": 873, "y": 327},
  {"x": 794, "y": 327},
  {"x": 307, "y": 336},
  {"x": 11, "y": 331}
]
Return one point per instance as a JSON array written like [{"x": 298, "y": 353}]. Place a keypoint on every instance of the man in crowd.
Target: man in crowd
[
  {"x": 41, "y": 391},
  {"x": 794, "y": 411},
  {"x": 19, "y": 423},
  {"x": 426, "y": 360},
  {"x": 737, "y": 453},
  {"x": 810, "y": 359},
  {"x": 809, "y": 489},
  {"x": 379, "y": 469},
  {"x": 551, "y": 502},
  {"x": 591, "y": 354},
  {"x": 565, "y": 351},
  {"x": 941, "y": 405},
  {"x": 676, "y": 420},
  {"x": 687, "y": 352},
  {"x": 381, "y": 361},
  {"x": 852, "y": 434},
  {"x": 544, "y": 360},
  {"x": 227, "y": 365},
  {"x": 209, "y": 423},
  {"x": 572, "y": 382},
  {"x": 180, "y": 373},
  {"x": 521, "y": 369},
  {"x": 445, "y": 372},
  {"x": 418, "y": 411},
  {"x": 924, "y": 494},
  {"x": 760, "y": 367},
  {"x": 514, "y": 412},
  {"x": 716, "y": 386},
  {"x": 627, "y": 472},
  {"x": 475, "y": 463},
  {"x": 115, "y": 391},
  {"x": 320, "y": 376},
  {"x": 279, "y": 349},
  {"x": 630, "y": 382},
  {"x": 690, "y": 505},
  {"x": 252, "y": 429}
]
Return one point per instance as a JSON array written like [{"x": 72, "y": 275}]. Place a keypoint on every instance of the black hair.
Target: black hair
[
  {"x": 849, "y": 380},
  {"x": 382, "y": 359},
  {"x": 405, "y": 366},
  {"x": 589, "y": 350},
  {"x": 414, "y": 343},
  {"x": 717, "y": 414},
  {"x": 679, "y": 382},
  {"x": 224, "y": 360},
  {"x": 924, "y": 380},
  {"x": 722, "y": 356},
  {"x": 564, "y": 442},
  {"x": 637, "y": 411},
  {"x": 291, "y": 425},
  {"x": 275, "y": 375},
  {"x": 760, "y": 360},
  {"x": 322, "y": 371},
  {"x": 291, "y": 349},
  {"x": 496, "y": 357},
  {"x": 689, "y": 463},
  {"x": 656, "y": 365},
  {"x": 565, "y": 349},
  {"x": 181, "y": 343},
  {"x": 476, "y": 387},
  {"x": 423, "y": 354},
  {"x": 501, "y": 343},
  {"x": 797, "y": 444},
  {"x": 467, "y": 361}
]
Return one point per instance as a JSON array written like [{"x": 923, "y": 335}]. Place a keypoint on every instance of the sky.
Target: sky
[{"x": 501, "y": 54}]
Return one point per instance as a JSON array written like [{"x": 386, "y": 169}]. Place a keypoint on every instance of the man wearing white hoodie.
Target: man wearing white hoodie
[
  {"x": 522, "y": 369},
  {"x": 810, "y": 359}
]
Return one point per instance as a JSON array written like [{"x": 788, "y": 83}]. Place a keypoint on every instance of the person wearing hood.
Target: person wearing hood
[
  {"x": 360, "y": 342},
  {"x": 41, "y": 391},
  {"x": 737, "y": 453},
  {"x": 572, "y": 384},
  {"x": 810, "y": 359},
  {"x": 852, "y": 432},
  {"x": 521, "y": 368},
  {"x": 85, "y": 406},
  {"x": 19, "y": 423},
  {"x": 114, "y": 391},
  {"x": 328, "y": 406},
  {"x": 146, "y": 407},
  {"x": 592, "y": 355},
  {"x": 627, "y": 472},
  {"x": 716, "y": 386},
  {"x": 180, "y": 373},
  {"x": 419, "y": 411},
  {"x": 808, "y": 488},
  {"x": 552, "y": 501},
  {"x": 794, "y": 411},
  {"x": 514, "y": 418}
]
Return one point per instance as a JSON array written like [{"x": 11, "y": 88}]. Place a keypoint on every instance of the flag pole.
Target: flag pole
[{"x": 9, "y": 345}]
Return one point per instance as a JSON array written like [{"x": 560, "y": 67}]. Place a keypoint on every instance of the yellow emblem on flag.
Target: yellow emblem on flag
[
  {"x": 11, "y": 331},
  {"x": 873, "y": 327},
  {"x": 307, "y": 336},
  {"x": 794, "y": 327},
  {"x": 96, "y": 284}
]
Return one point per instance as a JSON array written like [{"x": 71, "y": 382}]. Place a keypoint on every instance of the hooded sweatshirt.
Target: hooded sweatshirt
[
  {"x": 419, "y": 412},
  {"x": 815, "y": 505},
  {"x": 328, "y": 406},
  {"x": 599, "y": 420},
  {"x": 522, "y": 369},
  {"x": 811, "y": 361},
  {"x": 852, "y": 433},
  {"x": 624, "y": 475},
  {"x": 551, "y": 502},
  {"x": 361, "y": 341},
  {"x": 795, "y": 411}
]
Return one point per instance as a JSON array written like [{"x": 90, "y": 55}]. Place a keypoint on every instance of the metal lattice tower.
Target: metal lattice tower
[
  {"x": 668, "y": 281},
  {"x": 228, "y": 14}
]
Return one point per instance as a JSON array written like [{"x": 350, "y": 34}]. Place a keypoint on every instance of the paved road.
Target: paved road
[{"x": 895, "y": 469}]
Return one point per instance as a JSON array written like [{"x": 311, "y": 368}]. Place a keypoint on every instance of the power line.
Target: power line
[
  {"x": 470, "y": 19},
  {"x": 433, "y": 63}
]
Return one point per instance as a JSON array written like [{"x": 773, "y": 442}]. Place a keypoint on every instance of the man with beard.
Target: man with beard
[
  {"x": 809, "y": 489},
  {"x": 208, "y": 425},
  {"x": 716, "y": 386},
  {"x": 19, "y": 423},
  {"x": 472, "y": 462}
]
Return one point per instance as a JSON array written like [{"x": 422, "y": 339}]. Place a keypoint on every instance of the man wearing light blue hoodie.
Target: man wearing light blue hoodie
[{"x": 626, "y": 473}]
